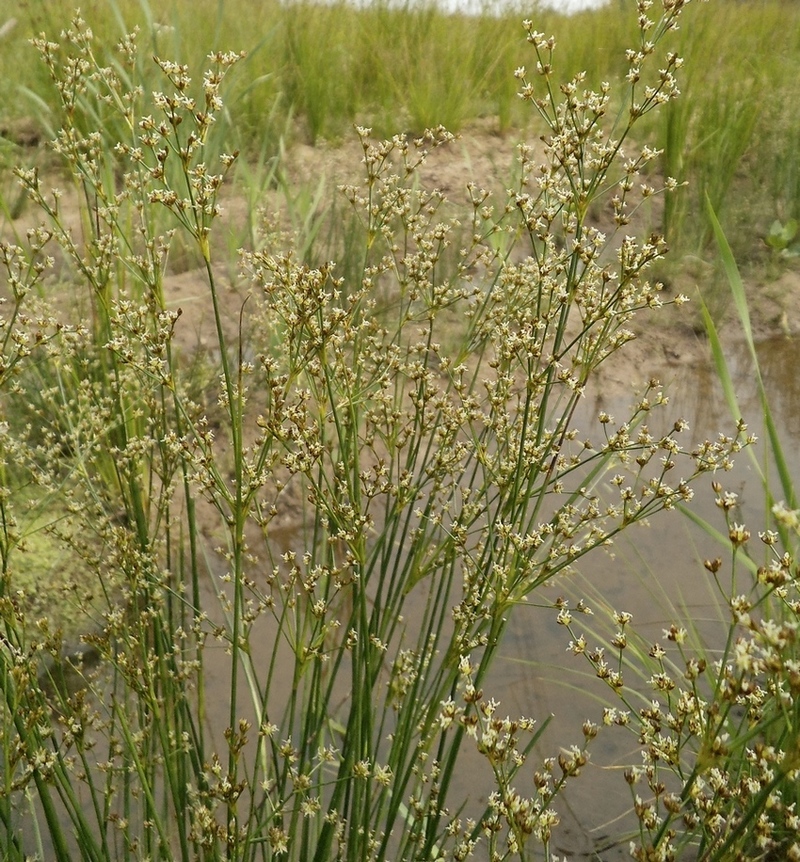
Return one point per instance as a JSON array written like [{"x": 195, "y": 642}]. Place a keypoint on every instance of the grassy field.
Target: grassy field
[{"x": 313, "y": 70}]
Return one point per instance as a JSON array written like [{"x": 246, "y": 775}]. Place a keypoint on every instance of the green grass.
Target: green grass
[{"x": 313, "y": 70}]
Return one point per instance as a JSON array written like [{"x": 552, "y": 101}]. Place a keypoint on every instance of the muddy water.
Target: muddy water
[{"x": 656, "y": 574}]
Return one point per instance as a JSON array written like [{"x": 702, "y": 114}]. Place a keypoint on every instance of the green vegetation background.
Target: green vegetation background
[{"x": 313, "y": 70}]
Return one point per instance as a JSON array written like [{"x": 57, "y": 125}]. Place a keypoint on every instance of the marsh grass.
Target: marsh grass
[
  {"x": 408, "y": 68},
  {"x": 411, "y": 422},
  {"x": 403, "y": 69}
]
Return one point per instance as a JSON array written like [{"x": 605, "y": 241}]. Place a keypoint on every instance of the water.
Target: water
[
  {"x": 477, "y": 7},
  {"x": 496, "y": 7},
  {"x": 654, "y": 573}
]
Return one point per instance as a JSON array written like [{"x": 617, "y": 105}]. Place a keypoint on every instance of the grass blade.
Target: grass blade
[{"x": 740, "y": 303}]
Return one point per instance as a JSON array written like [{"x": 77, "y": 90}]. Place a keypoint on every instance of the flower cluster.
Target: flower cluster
[{"x": 717, "y": 735}]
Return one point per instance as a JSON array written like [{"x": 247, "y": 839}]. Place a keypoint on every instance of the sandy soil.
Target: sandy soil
[
  {"x": 667, "y": 338},
  {"x": 670, "y": 336}
]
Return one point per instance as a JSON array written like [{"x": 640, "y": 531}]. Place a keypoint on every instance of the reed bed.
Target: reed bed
[{"x": 313, "y": 70}]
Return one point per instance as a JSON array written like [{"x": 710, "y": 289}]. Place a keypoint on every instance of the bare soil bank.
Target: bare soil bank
[{"x": 668, "y": 338}]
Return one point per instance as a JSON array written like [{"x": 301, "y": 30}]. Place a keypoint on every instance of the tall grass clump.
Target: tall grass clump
[
  {"x": 384, "y": 64},
  {"x": 398, "y": 68},
  {"x": 732, "y": 137},
  {"x": 292, "y": 575}
]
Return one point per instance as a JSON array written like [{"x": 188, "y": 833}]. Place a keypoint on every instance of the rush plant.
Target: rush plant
[
  {"x": 330, "y": 534},
  {"x": 717, "y": 717}
]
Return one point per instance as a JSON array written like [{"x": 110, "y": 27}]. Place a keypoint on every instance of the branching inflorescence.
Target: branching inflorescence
[{"x": 413, "y": 424}]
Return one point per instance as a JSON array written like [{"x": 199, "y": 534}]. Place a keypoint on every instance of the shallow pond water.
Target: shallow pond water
[{"x": 655, "y": 573}]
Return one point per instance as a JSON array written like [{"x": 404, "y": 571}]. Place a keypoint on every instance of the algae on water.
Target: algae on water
[{"x": 50, "y": 585}]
